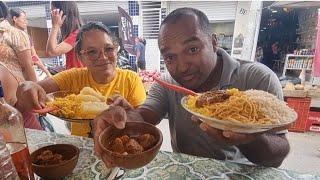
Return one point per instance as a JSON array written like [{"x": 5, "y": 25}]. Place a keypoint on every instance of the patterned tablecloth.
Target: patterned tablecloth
[{"x": 165, "y": 166}]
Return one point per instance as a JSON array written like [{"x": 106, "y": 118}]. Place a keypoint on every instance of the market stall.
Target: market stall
[
  {"x": 299, "y": 64},
  {"x": 305, "y": 99},
  {"x": 147, "y": 78}
]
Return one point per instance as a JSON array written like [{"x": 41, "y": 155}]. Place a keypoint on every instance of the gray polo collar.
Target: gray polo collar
[{"x": 230, "y": 68}]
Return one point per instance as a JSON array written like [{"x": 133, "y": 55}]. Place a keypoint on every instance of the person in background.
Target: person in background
[
  {"x": 143, "y": 41},
  {"x": 194, "y": 61},
  {"x": 275, "y": 51},
  {"x": 14, "y": 50},
  {"x": 270, "y": 54},
  {"x": 19, "y": 20},
  {"x": 97, "y": 48},
  {"x": 259, "y": 53},
  {"x": 140, "y": 53},
  {"x": 66, "y": 19}
]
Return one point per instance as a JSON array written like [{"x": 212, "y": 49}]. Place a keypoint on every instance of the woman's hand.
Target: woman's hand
[
  {"x": 57, "y": 18},
  {"x": 30, "y": 96}
]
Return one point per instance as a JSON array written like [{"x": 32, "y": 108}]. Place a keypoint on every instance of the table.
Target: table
[{"x": 166, "y": 165}]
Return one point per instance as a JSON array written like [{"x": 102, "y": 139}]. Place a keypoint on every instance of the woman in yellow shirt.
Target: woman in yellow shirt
[{"x": 97, "y": 49}]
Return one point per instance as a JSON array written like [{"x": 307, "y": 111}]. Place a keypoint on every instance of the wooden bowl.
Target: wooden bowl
[
  {"x": 130, "y": 161},
  {"x": 70, "y": 155}
]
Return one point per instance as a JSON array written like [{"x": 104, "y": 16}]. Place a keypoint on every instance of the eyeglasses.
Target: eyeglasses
[{"x": 94, "y": 54}]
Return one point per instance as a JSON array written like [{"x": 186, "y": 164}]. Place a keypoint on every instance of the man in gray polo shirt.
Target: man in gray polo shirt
[{"x": 194, "y": 61}]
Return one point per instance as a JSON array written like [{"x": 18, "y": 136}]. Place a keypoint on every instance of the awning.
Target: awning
[{"x": 296, "y": 4}]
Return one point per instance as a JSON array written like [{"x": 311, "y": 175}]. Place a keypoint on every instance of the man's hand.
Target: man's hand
[
  {"x": 228, "y": 137},
  {"x": 116, "y": 115},
  {"x": 30, "y": 96},
  {"x": 266, "y": 148}
]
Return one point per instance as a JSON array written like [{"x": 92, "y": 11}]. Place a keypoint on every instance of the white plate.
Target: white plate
[{"x": 235, "y": 126}]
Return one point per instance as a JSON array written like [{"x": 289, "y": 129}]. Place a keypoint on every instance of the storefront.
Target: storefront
[
  {"x": 288, "y": 37},
  {"x": 291, "y": 32}
]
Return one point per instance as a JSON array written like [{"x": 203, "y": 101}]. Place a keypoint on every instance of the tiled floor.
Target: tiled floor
[{"x": 304, "y": 156}]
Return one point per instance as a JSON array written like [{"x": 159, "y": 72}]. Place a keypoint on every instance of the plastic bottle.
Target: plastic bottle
[
  {"x": 12, "y": 129},
  {"x": 7, "y": 169}
]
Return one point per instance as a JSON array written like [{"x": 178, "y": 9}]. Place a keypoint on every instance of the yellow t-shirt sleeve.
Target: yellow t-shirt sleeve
[{"x": 137, "y": 94}]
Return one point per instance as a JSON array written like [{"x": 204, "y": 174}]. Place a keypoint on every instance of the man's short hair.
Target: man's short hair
[{"x": 177, "y": 14}]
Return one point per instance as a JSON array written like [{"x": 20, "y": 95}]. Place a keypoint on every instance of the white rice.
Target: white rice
[{"x": 271, "y": 106}]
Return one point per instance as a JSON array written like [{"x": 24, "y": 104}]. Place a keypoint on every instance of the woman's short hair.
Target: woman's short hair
[
  {"x": 93, "y": 25},
  {"x": 15, "y": 12}
]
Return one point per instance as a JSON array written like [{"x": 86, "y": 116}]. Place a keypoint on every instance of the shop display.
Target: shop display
[
  {"x": 147, "y": 77},
  {"x": 304, "y": 52},
  {"x": 300, "y": 63},
  {"x": 300, "y": 98},
  {"x": 291, "y": 87},
  {"x": 297, "y": 62}
]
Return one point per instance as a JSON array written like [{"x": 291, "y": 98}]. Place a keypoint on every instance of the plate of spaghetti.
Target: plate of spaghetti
[
  {"x": 81, "y": 107},
  {"x": 248, "y": 111}
]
